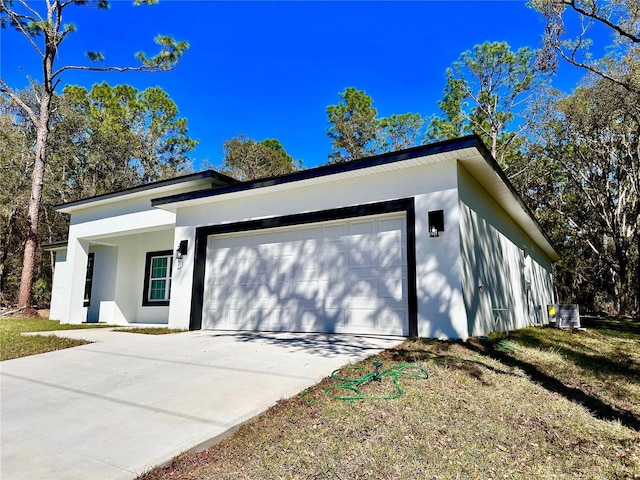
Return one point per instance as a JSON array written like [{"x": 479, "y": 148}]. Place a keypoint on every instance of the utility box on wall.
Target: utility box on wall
[{"x": 564, "y": 316}]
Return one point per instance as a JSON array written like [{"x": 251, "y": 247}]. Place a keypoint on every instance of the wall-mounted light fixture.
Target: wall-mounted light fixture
[
  {"x": 436, "y": 223},
  {"x": 181, "y": 251}
]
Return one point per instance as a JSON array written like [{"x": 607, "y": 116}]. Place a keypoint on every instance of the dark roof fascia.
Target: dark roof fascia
[
  {"x": 325, "y": 170},
  {"x": 218, "y": 179},
  {"x": 54, "y": 245},
  {"x": 486, "y": 154}
]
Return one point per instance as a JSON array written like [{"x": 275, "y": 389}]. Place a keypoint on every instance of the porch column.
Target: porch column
[{"x": 77, "y": 256}]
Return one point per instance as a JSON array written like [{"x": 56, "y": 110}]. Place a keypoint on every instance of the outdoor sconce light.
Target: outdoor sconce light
[
  {"x": 181, "y": 251},
  {"x": 436, "y": 223}
]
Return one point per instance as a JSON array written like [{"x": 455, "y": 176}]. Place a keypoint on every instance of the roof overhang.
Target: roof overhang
[
  {"x": 423, "y": 155},
  {"x": 55, "y": 246},
  {"x": 202, "y": 180},
  {"x": 491, "y": 177},
  {"x": 469, "y": 151}
]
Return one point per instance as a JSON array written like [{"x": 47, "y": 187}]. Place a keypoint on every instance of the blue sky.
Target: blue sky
[{"x": 270, "y": 69}]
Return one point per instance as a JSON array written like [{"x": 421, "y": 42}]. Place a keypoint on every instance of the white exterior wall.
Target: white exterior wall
[
  {"x": 441, "y": 311},
  {"x": 120, "y": 234},
  {"x": 503, "y": 272},
  {"x": 58, "y": 288},
  {"x": 481, "y": 261},
  {"x": 129, "y": 283}
]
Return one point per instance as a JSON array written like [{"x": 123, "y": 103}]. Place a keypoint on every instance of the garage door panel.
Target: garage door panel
[
  {"x": 333, "y": 233},
  {"x": 391, "y": 250},
  {"x": 216, "y": 316},
  {"x": 360, "y": 227},
  {"x": 217, "y": 280},
  {"x": 362, "y": 318},
  {"x": 391, "y": 224},
  {"x": 328, "y": 250},
  {"x": 311, "y": 320},
  {"x": 361, "y": 258},
  {"x": 307, "y": 267},
  {"x": 262, "y": 266},
  {"x": 284, "y": 263},
  {"x": 308, "y": 289},
  {"x": 364, "y": 273},
  {"x": 308, "y": 274},
  {"x": 247, "y": 281},
  {"x": 341, "y": 276},
  {"x": 392, "y": 320},
  {"x": 247, "y": 318},
  {"x": 363, "y": 288},
  {"x": 310, "y": 248}
]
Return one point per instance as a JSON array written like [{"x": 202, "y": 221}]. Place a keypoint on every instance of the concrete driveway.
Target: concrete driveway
[{"x": 116, "y": 408}]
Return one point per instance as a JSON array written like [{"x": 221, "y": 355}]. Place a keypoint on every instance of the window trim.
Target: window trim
[
  {"x": 146, "y": 301},
  {"x": 88, "y": 280}
]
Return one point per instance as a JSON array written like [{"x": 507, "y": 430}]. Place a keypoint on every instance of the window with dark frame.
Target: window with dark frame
[
  {"x": 157, "y": 278},
  {"x": 88, "y": 282}
]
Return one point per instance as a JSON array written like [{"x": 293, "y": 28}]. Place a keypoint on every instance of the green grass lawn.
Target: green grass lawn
[
  {"x": 547, "y": 404},
  {"x": 15, "y": 345}
]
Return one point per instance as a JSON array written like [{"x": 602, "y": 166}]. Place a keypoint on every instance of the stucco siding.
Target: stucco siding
[
  {"x": 118, "y": 280},
  {"x": 506, "y": 277},
  {"x": 58, "y": 307},
  {"x": 441, "y": 311},
  {"x": 129, "y": 282},
  {"x": 488, "y": 268}
]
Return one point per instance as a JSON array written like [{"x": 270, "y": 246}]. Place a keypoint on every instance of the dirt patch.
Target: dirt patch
[{"x": 16, "y": 312}]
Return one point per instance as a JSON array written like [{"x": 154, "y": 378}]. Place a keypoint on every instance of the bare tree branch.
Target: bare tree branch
[
  {"x": 141, "y": 68},
  {"x": 17, "y": 23},
  {"x": 594, "y": 14},
  {"x": 33, "y": 12},
  {"x": 5, "y": 89}
]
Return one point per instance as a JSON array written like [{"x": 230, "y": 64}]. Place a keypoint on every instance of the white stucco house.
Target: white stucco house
[{"x": 431, "y": 241}]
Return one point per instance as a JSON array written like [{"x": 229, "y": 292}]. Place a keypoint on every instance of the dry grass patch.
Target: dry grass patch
[
  {"x": 149, "y": 330},
  {"x": 476, "y": 416},
  {"x": 599, "y": 367}
]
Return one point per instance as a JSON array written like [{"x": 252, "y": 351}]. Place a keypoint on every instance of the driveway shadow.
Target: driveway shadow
[{"x": 325, "y": 344}]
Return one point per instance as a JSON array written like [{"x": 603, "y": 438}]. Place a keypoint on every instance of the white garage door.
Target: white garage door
[{"x": 347, "y": 276}]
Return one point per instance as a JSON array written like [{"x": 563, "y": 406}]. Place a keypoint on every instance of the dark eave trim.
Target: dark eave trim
[
  {"x": 333, "y": 169},
  {"x": 60, "y": 244},
  {"x": 217, "y": 180}
]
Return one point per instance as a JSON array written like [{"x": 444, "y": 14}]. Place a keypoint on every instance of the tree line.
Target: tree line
[{"x": 574, "y": 158}]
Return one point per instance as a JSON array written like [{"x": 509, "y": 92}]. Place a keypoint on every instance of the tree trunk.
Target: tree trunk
[
  {"x": 37, "y": 181},
  {"x": 31, "y": 244}
]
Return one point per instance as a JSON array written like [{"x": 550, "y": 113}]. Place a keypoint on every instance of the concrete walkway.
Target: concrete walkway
[{"x": 118, "y": 407}]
